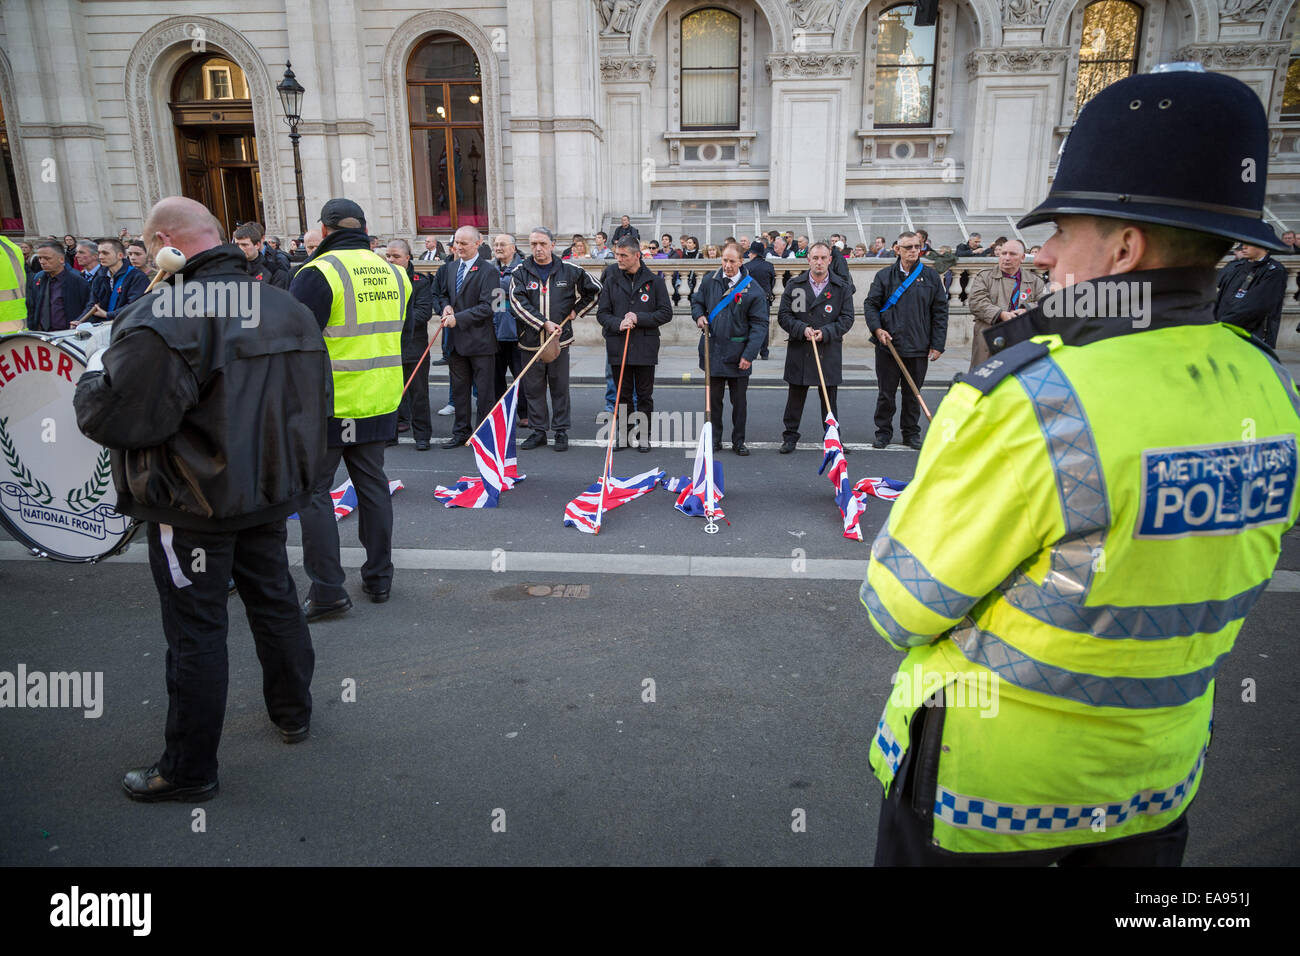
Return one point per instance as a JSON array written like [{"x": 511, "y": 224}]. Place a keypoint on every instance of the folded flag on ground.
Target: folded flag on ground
[
  {"x": 345, "y": 498},
  {"x": 837, "y": 470},
  {"x": 698, "y": 493},
  {"x": 584, "y": 512},
  {"x": 886, "y": 488},
  {"x": 494, "y": 454}
]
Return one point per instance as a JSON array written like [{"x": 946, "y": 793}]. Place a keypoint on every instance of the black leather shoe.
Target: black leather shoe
[
  {"x": 534, "y": 440},
  {"x": 561, "y": 441},
  {"x": 391, "y": 442},
  {"x": 879, "y": 443},
  {"x": 787, "y": 447},
  {"x": 294, "y": 735},
  {"x": 739, "y": 448},
  {"x": 422, "y": 445},
  {"x": 147, "y": 785},
  {"x": 619, "y": 446},
  {"x": 717, "y": 446},
  {"x": 913, "y": 443},
  {"x": 453, "y": 442},
  {"x": 315, "y": 610},
  {"x": 376, "y": 597},
  {"x": 438, "y": 361},
  {"x": 644, "y": 447}
]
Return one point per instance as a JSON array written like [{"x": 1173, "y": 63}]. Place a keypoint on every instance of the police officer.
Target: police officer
[
  {"x": 414, "y": 410},
  {"x": 359, "y": 301},
  {"x": 543, "y": 293},
  {"x": 1250, "y": 293},
  {"x": 13, "y": 288},
  {"x": 730, "y": 307},
  {"x": 1081, "y": 543},
  {"x": 816, "y": 306},
  {"x": 216, "y": 425}
]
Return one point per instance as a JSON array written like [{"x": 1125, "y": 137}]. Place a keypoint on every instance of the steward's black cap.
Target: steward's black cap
[
  {"x": 1179, "y": 147},
  {"x": 336, "y": 210}
]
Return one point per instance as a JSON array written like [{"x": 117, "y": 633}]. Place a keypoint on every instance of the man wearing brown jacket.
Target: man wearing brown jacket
[{"x": 999, "y": 294}]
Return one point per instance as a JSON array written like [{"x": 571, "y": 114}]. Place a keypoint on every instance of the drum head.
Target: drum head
[{"x": 56, "y": 485}]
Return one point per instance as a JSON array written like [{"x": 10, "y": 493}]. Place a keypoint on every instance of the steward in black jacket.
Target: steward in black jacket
[
  {"x": 1250, "y": 294},
  {"x": 644, "y": 297},
  {"x": 735, "y": 336},
  {"x": 215, "y": 423}
]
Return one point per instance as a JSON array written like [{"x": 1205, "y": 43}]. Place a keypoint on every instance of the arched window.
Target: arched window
[
  {"x": 710, "y": 70},
  {"x": 445, "y": 96},
  {"x": 1108, "y": 48},
  {"x": 904, "y": 69},
  {"x": 210, "y": 78}
]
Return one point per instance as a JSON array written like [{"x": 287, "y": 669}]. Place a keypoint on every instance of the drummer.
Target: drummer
[{"x": 213, "y": 445}]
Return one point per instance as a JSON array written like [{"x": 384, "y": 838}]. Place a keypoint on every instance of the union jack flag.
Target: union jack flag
[
  {"x": 851, "y": 507},
  {"x": 494, "y": 454},
  {"x": 700, "y": 492},
  {"x": 345, "y": 498},
  {"x": 584, "y": 512},
  {"x": 887, "y": 489}
]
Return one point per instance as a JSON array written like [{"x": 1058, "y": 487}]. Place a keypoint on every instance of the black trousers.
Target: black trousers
[
  {"x": 903, "y": 836},
  {"x": 469, "y": 372},
  {"x": 739, "y": 408},
  {"x": 891, "y": 380},
  {"x": 552, "y": 378},
  {"x": 191, "y": 570},
  {"x": 641, "y": 379},
  {"x": 414, "y": 409},
  {"x": 510, "y": 358},
  {"x": 320, "y": 530},
  {"x": 794, "y": 408}
]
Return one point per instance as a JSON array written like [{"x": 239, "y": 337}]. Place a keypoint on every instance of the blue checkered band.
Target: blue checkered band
[
  {"x": 973, "y": 813},
  {"x": 888, "y": 746},
  {"x": 897, "y": 633},
  {"x": 921, "y": 584},
  {"x": 1016, "y": 667}
]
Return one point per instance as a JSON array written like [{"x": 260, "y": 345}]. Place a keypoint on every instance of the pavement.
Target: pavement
[{"x": 534, "y": 695}]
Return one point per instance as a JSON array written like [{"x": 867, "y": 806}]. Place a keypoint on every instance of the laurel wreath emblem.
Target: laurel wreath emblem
[
  {"x": 38, "y": 489},
  {"x": 84, "y": 498}
]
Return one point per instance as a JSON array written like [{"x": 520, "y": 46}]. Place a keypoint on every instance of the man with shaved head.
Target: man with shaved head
[{"x": 216, "y": 425}]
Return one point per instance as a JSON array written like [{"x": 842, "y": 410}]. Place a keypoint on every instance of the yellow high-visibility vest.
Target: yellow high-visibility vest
[{"x": 13, "y": 288}]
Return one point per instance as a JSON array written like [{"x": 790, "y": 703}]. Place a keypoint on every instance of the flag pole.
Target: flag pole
[
  {"x": 826, "y": 398},
  {"x": 711, "y": 526},
  {"x": 907, "y": 375},
  {"x": 519, "y": 378},
  {"x": 609, "y": 449},
  {"x": 416, "y": 370}
]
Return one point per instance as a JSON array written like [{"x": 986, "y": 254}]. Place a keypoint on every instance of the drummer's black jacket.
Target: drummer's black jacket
[{"x": 216, "y": 422}]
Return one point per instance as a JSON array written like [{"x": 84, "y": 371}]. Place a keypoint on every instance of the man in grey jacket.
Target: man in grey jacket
[{"x": 1001, "y": 293}]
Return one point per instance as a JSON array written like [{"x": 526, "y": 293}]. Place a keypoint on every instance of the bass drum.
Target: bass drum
[{"x": 56, "y": 485}]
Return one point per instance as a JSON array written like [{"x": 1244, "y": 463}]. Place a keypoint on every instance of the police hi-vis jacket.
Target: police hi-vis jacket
[{"x": 1094, "y": 513}]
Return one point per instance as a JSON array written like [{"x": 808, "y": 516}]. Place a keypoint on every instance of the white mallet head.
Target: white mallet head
[{"x": 170, "y": 259}]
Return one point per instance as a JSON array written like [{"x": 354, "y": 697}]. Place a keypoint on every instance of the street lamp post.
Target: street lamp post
[{"x": 291, "y": 91}]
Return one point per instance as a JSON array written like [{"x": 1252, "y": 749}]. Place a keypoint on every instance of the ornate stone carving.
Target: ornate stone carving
[
  {"x": 828, "y": 66},
  {"x": 1232, "y": 56},
  {"x": 1243, "y": 9},
  {"x": 62, "y": 131},
  {"x": 1016, "y": 60},
  {"x": 1026, "y": 12},
  {"x": 149, "y": 127},
  {"x": 617, "y": 16},
  {"x": 396, "y": 53},
  {"x": 614, "y": 69},
  {"x": 814, "y": 14}
]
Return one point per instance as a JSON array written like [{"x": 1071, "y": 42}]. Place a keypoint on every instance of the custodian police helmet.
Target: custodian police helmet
[{"x": 1182, "y": 148}]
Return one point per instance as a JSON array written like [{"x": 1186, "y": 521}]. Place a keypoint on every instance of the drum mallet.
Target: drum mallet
[{"x": 169, "y": 261}]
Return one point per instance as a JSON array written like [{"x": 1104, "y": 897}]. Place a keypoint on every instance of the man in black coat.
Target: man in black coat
[
  {"x": 1250, "y": 294},
  {"x": 118, "y": 284},
  {"x": 817, "y": 306},
  {"x": 632, "y": 298},
  {"x": 735, "y": 333},
  {"x": 756, "y": 265},
  {"x": 217, "y": 428},
  {"x": 462, "y": 296},
  {"x": 626, "y": 230},
  {"x": 414, "y": 410},
  {"x": 916, "y": 321},
  {"x": 261, "y": 266},
  {"x": 57, "y": 295}
]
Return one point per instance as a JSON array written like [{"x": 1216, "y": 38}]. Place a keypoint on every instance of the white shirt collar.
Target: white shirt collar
[{"x": 469, "y": 263}]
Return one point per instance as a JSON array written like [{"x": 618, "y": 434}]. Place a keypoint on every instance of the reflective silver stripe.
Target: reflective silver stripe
[
  {"x": 365, "y": 365},
  {"x": 20, "y": 275},
  {"x": 173, "y": 563},
  {"x": 401, "y": 295},
  {"x": 375, "y": 328},
  {"x": 921, "y": 584},
  {"x": 900, "y": 635},
  {"x": 1138, "y": 693},
  {"x": 1288, "y": 385},
  {"x": 975, "y": 813},
  {"x": 349, "y": 326}
]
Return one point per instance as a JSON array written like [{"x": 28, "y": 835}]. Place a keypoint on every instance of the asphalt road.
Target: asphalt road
[{"x": 485, "y": 695}]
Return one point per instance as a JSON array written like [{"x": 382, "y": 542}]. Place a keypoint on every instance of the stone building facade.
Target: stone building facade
[{"x": 569, "y": 111}]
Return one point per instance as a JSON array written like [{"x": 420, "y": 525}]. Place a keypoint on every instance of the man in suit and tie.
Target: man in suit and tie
[
  {"x": 432, "y": 250},
  {"x": 462, "y": 295},
  {"x": 57, "y": 295}
]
